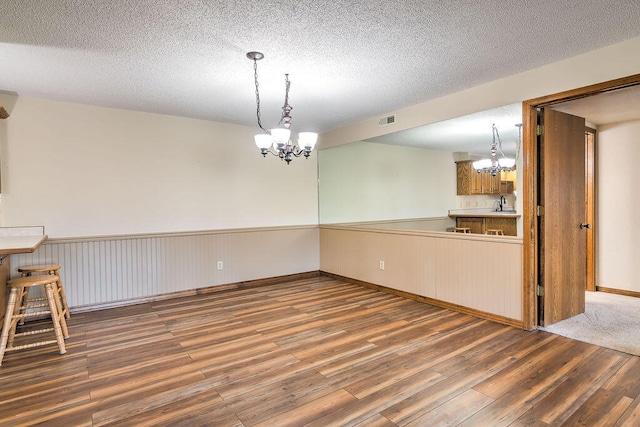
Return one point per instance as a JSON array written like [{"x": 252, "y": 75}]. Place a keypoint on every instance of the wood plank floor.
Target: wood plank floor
[{"x": 313, "y": 352}]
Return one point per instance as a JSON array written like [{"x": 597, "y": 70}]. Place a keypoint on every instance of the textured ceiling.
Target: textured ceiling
[{"x": 347, "y": 60}]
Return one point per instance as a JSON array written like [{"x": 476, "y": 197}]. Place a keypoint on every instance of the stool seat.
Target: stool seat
[
  {"x": 462, "y": 230},
  {"x": 43, "y": 268},
  {"x": 494, "y": 231},
  {"x": 18, "y": 309},
  {"x": 28, "y": 281},
  {"x": 48, "y": 269}
]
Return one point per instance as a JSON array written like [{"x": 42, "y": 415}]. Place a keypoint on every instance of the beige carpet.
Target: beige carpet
[{"x": 609, "y": 320}]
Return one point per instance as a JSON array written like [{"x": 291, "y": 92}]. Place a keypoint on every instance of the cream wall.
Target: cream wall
[
  {"x": 81, "y": 170},
  {"x": 137, "y": 205},
  {"x": 618, "y": 204},
  {"x": 365, "y": 181}
]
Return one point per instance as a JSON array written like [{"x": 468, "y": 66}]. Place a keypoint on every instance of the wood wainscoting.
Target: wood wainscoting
[
  {"x": 100, "y": 272},
  {"x": 478, "y": 272}
]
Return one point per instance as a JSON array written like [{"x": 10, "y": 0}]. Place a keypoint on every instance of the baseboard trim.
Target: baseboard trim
[
  {"x": 197, "y": 291},
  {"x": 618, "y": 291},
  {"x": 438, "y": 303}
]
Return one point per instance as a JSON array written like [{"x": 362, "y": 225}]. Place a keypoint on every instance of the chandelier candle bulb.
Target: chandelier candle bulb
[
  {"x": 307, "y": 140},
  {"x": 263, "y": 141}
]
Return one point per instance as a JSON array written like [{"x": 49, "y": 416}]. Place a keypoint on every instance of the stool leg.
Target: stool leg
[
  {"x": 9, "y": 322},
  {"x": 18, "y": 310},
  {"x": 24, "y": 297},
  {"x": 60, "y": 311},
  {"x": 65, "y": 306},
  {"x": 55, "y": 317}
]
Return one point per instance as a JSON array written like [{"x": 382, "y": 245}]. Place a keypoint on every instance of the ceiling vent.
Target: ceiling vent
[{"x": 386, "y": 121}]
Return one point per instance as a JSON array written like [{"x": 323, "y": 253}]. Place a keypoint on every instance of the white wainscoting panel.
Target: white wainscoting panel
[{"x": 108, "y": 269}]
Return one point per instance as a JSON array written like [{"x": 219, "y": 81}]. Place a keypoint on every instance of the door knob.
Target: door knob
[{"x": 583, "y": 226}]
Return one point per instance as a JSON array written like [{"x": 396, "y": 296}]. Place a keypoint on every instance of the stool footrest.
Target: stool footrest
[
  {"x": 38, "y": 331},
  {"x": 33, "y": 345},
  {"x": 32, "y": 314},
  {"x": 39, "y": 305}
]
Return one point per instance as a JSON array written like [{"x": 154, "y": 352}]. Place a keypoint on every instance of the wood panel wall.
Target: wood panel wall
[
  {"x": 101, "y": 270},
  {"x": 483, "y": 273}
]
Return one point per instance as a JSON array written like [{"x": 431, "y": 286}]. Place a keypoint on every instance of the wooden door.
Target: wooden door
[{"x": 562, "y": 239}]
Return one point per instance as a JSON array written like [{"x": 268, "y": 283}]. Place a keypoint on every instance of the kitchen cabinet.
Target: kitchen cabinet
[
  {"x": 475, "y": 225},
  {"x": 470, "y": 182},
  {"x": 506, "y": 187},
  {"x": 463, "y": 178},
  {"x": 480, "y": 224},
  {"x": 490, "y": 183},
  {"x": 507, "y": 225}
]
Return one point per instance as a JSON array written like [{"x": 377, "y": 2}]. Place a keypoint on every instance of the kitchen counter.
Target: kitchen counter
[
  {"x": 480, "y": 221},
  {"x": 20, "y": 240},
  {"x": 15, "y": 240},
  {"x": 483, "y": 213}
]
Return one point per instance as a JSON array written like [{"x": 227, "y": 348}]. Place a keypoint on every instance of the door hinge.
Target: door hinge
[
  {"x": 539, "y": 210},
  {"x": 539, "y": 129},
  {"x": 539, "y": 291}
]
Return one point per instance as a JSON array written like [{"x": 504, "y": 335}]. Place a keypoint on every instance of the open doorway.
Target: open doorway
[{"x": 531, "y": 182}]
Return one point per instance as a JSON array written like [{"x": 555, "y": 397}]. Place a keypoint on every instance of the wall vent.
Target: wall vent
[{"x": 386, "y": 121}]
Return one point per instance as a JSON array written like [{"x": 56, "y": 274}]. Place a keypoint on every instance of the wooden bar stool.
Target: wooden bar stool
[
  {"x": 495, "y": 231},
  {"x": 462, "y": 230},
  {"x": 51, "y": 269},
  {"x": 16, "y": 311}
]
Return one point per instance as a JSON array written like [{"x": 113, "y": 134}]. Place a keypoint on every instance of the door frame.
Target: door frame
[
  {"x": 590, "y": 217},
  {"x": 530, "y": 179}
]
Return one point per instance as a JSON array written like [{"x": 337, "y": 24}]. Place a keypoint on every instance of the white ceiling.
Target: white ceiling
[{"x": 348, "y": 59}]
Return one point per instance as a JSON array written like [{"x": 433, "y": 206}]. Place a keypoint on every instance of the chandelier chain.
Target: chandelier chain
[
  {"x": 255, "y": 76},
  {"x": 286, "y": 108}
]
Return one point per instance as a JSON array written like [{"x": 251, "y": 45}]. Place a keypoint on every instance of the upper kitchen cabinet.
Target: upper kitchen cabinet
[
  {"x": 470, "y": 182},
  {"x": 464, "y": 171}
]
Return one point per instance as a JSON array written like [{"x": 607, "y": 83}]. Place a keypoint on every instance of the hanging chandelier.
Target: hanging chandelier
[
  {"x": 277, "y": 141},
  {"x": 495, "y": 164}
]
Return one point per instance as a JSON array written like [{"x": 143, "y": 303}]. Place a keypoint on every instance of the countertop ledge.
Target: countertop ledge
[
  {"x": 20, "y": 240},
  {"x": 474, "y": 213}
]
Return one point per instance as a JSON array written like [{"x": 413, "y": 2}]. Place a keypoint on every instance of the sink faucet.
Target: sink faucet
[{"x": 502, "y": 204}]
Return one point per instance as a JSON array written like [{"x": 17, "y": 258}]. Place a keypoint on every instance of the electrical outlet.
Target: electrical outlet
[
  {"x": 220, "y": 265},
  {"x": 381, "y": 265}
]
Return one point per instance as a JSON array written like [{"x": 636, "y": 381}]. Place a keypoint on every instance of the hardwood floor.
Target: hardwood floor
[{"x": 313, "y": 352}]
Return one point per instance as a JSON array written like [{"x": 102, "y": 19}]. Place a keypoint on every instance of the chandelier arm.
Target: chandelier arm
[
  {"x": 499, "y": 141},
  {"x": 264, "y": 152},
  {"x": 255, "y": 76}
]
